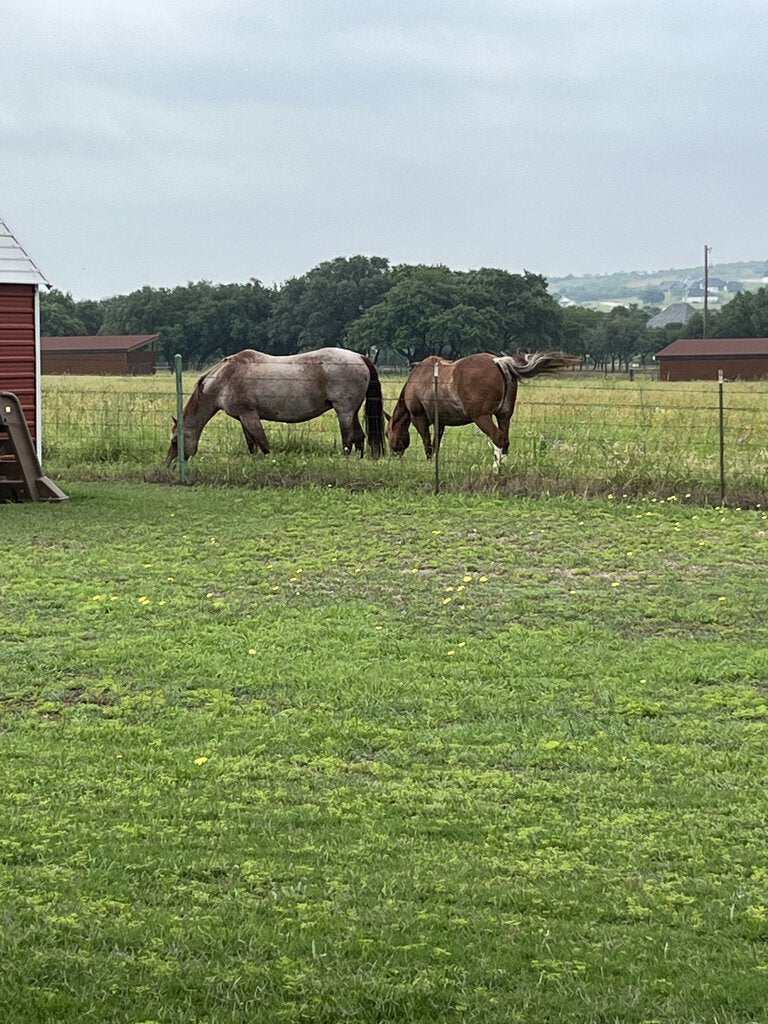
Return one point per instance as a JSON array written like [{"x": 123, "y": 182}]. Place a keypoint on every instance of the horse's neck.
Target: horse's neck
[
  {"x": 198, "y": 410},
  {"x": 400, "y": 412}
]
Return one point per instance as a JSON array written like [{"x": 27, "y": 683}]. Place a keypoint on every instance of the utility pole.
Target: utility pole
[{"x": 707, "y": 251}]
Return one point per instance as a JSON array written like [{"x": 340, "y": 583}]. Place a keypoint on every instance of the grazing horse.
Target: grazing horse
[
  {"x": 252, "y": 386},
  {"x": 469, "y": 390}
]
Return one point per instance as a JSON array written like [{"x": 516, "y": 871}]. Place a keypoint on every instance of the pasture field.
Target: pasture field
[
  {"x": 311, "y": 755},
  {"x": 572, "y": 435}
]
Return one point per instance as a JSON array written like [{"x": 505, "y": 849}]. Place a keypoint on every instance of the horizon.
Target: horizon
[{"x": 713, "y": 269}]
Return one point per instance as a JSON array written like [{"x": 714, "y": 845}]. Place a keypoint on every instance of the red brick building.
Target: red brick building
[
  {"x": 124, "y": 354},
  {"x": 696, "y": 359}
]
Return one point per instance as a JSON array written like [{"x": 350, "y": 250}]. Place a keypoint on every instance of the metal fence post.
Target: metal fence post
[
  {"x": 180, "y": 421},
  {"x": 437, "y": 430},
  {"x": 722, "y": 436}
]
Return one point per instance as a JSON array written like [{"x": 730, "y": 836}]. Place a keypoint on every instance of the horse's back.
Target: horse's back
[
  {"x": 291, "y": 389},
  {"x": 466, "y": 388}
]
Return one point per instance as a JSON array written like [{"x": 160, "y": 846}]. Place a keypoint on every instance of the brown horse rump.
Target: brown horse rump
[{"x": 469, "y": 390}]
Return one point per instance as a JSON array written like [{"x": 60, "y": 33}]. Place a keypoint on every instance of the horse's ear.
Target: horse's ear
[
  {"x": 387, "y": 417},
  {"x": 175, "y": 421}
]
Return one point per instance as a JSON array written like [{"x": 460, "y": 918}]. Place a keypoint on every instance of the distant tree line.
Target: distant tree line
[
  {"x": 745, "y": 316},
  {"x": 396, "y": 314}
]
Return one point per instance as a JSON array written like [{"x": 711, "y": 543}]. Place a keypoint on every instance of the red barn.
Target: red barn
[
  {"x": 695, "y": 359},
  {"x": 20, "y": 279},
  {"x": 100, "y": 354}
]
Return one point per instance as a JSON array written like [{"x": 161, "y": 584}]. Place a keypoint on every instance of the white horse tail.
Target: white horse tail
[{"x": 524, "y": 365}]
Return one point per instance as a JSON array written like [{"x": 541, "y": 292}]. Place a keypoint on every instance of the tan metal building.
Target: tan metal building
[
  {"x": 697, "y": 359},
  {"x": 124, "y": 354}
]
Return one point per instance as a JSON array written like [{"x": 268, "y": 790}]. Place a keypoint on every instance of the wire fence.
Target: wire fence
[{"x": 570, "y": 434}]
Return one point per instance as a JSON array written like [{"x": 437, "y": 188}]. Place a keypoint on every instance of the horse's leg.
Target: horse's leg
[
  {"x": 420, "y": 421},
  {"x": 500, "y": 454},
  {"x": 248, "y": 439},
  {"x": 499, "y": 439},
  {"x": 346, "y": 420},
  {"x": 251, "y": 423},
  {"x": 358, "y": 436},
  {"x": 503, "y": 419}
]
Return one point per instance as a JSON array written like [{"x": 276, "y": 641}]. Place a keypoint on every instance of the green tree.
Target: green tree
[
  {"x": 318, "y": 308},
  {"x": 406, "y": 319},
  {"x": 438, "y": 311},
  {"x": 63, "y": 316},
  {"x": 201, "y": 321},
  {"x": 529, "y": 317},
  {"x": 620, "y": 336},
  {"x": 59, "y": 317},
  {"x": 745, "y": 316},
  {"x": 92, "y": 312},
  {"x": 579, "y": 326}
]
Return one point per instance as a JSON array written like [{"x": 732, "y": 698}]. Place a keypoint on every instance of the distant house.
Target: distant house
[
  {"x": 123, "y": 354},
  {"x": 677, "y": 313},
  {"x": 714, "y": 284},
  {"x": 697, "y": 359}
]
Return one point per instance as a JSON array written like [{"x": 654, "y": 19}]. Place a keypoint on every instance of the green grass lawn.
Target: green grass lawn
[{"x": 313, "y": 755}]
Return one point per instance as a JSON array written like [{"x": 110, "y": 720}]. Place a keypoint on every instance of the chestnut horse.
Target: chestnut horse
[
  {"x": 469, "y": 390},
  {"x": 252, "y": 386}
]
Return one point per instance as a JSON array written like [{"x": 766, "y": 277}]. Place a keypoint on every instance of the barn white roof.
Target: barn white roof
[{"x": 16, "y": 265}]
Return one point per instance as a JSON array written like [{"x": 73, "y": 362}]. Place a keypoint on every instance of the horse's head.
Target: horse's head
[
  {"x": 190, "y": 444},
  {"x": 398, "y": 435}
]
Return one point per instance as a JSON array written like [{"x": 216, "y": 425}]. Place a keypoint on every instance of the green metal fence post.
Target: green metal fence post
[
  {"x": 721, "y": 411},
  {"x": 180, "y": 421}
]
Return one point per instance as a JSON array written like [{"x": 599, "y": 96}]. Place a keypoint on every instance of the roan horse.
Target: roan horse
[
  {"x": 469, "y": 390},
  {"x": 252, "y": 386}
]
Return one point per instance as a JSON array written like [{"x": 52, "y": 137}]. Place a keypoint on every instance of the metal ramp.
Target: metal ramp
[{"x": 21, "y": 475}]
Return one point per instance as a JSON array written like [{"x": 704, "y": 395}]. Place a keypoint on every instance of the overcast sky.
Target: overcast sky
[{"x": 176, "y": 140}]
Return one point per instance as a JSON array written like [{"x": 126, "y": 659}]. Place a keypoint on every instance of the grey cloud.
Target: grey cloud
[{"x": 235, "y": 139}]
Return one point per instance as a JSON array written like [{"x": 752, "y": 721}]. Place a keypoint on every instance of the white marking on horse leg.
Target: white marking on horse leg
[{"x": 499, "y": 458}]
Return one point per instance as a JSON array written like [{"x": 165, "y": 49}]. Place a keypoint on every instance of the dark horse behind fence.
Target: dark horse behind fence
[
  {"x": 469, "y": 390},
  {"x": 252, "y": 387}
]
